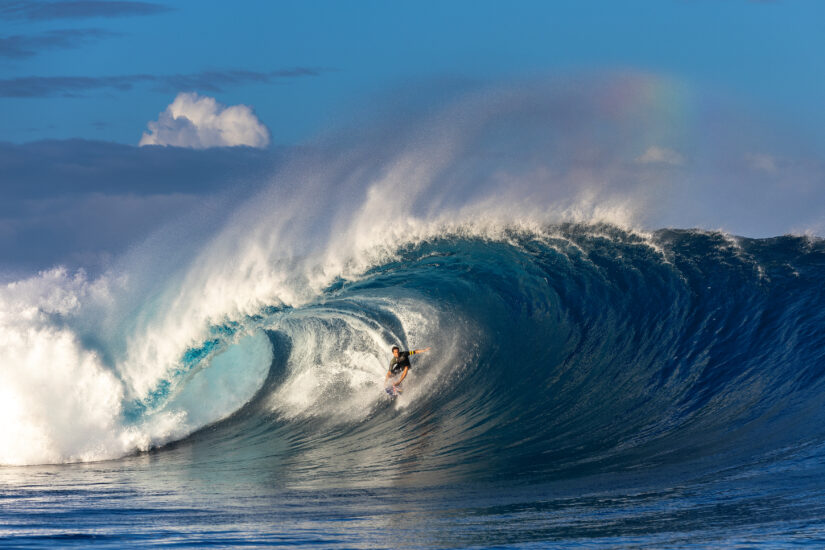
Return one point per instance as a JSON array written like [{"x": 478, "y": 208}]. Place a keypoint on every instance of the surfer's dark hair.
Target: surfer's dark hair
[{"x": 395, "y": 348}]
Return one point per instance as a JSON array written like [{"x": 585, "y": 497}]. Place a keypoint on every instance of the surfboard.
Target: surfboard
[{"x": 393, "y": 391}]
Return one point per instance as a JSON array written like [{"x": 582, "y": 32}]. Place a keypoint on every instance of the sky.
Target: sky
[
  {"x": 69, "y": 69},
  {"x": 221, "y": 90}
]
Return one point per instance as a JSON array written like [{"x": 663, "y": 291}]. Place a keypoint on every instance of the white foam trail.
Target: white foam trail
[
  {"x": 61, "y": 402},
  {"x": 57, "y": 400}
]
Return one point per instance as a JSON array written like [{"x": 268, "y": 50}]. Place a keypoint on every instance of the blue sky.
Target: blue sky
[
  {"x": 768, "y": 53},
  {"x": 715, "y": 91}
]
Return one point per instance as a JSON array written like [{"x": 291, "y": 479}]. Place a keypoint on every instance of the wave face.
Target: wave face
[{"x": 570, "y": 351}]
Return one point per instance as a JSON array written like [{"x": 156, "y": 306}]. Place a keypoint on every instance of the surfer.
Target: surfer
[{"x": 400, "y": 362}]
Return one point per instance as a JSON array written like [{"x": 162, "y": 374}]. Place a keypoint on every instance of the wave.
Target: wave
[
  {"x": 572, "y": 349},
  {"x": 565, "y": 339}
]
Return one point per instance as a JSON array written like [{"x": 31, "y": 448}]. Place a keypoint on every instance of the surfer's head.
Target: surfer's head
[{"x": 395, "y": 350}]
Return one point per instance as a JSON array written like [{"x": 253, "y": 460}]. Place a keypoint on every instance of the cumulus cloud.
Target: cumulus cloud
[
  {"x": 660, "y": 155},
  {"x": 200, "y": 122}
]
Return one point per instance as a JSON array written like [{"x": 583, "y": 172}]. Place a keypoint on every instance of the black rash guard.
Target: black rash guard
[{"x": 397, "y": 364}]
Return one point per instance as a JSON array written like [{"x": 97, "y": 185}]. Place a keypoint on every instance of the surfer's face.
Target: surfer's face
[{"x": 395, "y": 352}]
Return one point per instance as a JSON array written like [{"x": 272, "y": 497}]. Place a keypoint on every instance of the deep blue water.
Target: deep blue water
[{"x": 586, "y": 387}]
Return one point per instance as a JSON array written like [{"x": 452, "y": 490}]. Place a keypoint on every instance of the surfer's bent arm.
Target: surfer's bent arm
[{"x": 403, "y": 376}]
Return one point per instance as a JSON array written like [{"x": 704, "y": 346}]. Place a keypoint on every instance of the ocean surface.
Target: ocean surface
[{"x": 588, "y": 386}]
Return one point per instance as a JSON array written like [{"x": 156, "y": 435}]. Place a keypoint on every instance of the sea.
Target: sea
[
  {"x": 592, "y": 381},
  {"x": 586, "y": 387}
]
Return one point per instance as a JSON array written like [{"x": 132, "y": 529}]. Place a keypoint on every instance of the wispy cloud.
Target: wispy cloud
[
  {"x": 66, "y": 86},
  {"x": 210, "y": 81},
  {"x": 660, "y": 155},
  {"x": 74, "y": 200},
  {"x": 42, "y": 169},
  {"x": 761, "y": 162},
  {"x": 77, "y": 9},
  {"x": 215, "y": 81},
  {"x": 22, "y": 46},
  {"x": 200, "y": 122}
]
